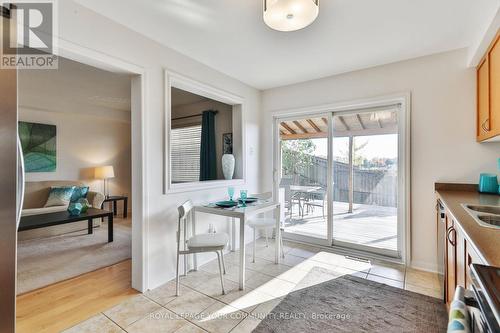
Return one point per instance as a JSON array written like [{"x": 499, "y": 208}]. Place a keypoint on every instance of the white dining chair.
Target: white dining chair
[
  {"x": 207, "y": 242},
  {"x": 291, "y": 198},
  {"x": 265, "y": 223}
]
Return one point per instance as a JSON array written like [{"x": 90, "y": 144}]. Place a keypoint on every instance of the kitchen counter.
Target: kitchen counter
[{"x": 486, "y": 241}]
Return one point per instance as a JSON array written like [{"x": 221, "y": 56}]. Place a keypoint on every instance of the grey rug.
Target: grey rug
[
  {"x": 351, "y": 304},
  {"x": 44, "y": 261}
]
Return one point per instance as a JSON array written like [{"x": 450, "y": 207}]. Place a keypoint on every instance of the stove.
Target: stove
[{"x": 486, "y": 290}]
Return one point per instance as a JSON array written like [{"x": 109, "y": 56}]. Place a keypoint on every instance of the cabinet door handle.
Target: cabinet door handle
[
  {"x": 452, "y": 242},
  {"x": 483, "y": 125},
  {"x": 450, "y": 229}
]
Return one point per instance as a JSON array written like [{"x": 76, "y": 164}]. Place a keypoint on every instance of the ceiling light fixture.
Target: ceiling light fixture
[{"x": 290, "y": 15}]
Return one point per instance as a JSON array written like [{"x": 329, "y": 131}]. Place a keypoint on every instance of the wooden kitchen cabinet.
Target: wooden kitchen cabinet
[
  {"x": 458, "y": 255},
  {"x": 483, "y": 100},
  {"x": 488, "y": 94},
  {"x": 450, "y": 259},
  {"x": 471, "y": 257},
  {"x": 461, "y": 262}
]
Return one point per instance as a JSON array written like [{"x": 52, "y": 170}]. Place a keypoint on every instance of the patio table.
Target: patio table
[{"x": 303, "y": 190}]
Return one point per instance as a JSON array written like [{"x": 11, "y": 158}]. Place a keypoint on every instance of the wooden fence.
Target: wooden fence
[{"x": 371, "y": 186}]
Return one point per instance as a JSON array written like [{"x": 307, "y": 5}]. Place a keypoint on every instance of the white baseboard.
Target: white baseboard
[{"x": 424, "y": 266}]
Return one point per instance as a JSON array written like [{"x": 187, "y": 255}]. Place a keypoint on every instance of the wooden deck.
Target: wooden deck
[{"x": 368, "y": 225}]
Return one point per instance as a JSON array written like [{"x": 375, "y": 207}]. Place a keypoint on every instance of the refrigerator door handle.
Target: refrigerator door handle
[{"x": 20, "y": 181}]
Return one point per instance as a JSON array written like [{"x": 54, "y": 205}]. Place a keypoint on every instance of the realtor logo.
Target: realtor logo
[{"x": 28, "y": 35}]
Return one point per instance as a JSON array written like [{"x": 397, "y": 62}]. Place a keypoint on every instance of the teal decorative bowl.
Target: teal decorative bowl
[
  {"x": 85, "y": 204},
  {"x": 75, "y": 208},
  {"x": 226, "y": 204}
]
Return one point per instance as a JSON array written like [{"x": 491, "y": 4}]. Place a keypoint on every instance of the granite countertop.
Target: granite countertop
[{"x": 486, "y": 241}]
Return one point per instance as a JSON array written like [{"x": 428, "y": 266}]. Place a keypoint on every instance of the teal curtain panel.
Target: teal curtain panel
[{"x": 208, "y": 163}]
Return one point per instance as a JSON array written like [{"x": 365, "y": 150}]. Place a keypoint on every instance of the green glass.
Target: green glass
[
  {"x": 230, "y": 192},
  {"x": 243, "y": 197}
]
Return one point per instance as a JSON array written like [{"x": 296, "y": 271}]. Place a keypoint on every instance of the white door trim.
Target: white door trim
[
  {"x": 140, "y": 227},
  {"x": 404, "y": 150}
]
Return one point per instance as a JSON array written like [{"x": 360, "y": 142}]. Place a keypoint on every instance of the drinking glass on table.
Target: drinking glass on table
[
  {"x": 243, "y": 197},
  {"x": 230, "y": 192}
]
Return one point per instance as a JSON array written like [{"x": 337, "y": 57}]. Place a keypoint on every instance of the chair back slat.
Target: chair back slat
[{"x": 184, "y": 209}]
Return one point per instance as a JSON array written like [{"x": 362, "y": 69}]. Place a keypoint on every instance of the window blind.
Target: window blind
[{"x": 185, "y": 154}]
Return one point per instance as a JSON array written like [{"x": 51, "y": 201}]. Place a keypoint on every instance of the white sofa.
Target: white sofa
[{"x": 35, "y": 197}]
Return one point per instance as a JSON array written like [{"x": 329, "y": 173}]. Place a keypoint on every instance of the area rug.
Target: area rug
[
  {"x": 44, "y": 261},
  {"x": 352, "y": 304}
]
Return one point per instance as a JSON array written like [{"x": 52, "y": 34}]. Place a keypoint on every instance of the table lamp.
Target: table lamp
[{"x": 105, "y": 173}]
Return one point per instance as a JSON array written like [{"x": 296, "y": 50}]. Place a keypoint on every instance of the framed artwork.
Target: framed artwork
[
  {"x": 38, "y": 142},
  {"x": 227, "y": 143}
]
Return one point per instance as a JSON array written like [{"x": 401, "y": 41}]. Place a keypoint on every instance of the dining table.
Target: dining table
[{"x": 241, "y": 213}]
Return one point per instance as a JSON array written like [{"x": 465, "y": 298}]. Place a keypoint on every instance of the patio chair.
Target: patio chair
[
  {"x": 209, "y": 242},
  {"x": 265, "y": 223},
  {"x": 315, "y": 199},
  {"x": 290, "y": 197}
]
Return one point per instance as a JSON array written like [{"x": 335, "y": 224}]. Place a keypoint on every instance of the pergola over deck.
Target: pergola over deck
[{"x": 375, "y": 121}]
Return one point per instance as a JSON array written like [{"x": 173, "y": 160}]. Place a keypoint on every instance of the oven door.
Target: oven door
[{"x": 465, "y": 313}]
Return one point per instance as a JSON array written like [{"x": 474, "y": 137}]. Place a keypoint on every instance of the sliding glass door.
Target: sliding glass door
[
  {"x": 365, "y": 180},
  {"x": 338, "y": 177},
  {"x": 303, "y": 182}
]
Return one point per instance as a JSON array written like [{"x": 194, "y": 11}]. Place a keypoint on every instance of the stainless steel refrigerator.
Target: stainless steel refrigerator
[{"x": 11, "y": 190}]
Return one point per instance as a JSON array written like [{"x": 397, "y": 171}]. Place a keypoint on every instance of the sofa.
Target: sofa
[{"x": 35, "y": 197}]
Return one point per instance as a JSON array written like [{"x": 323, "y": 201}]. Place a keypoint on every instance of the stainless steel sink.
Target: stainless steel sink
[
  {"x": 485, "y": 216},
  {"x": 493, "y": 220},
  {"x": 485, "y": 209}
]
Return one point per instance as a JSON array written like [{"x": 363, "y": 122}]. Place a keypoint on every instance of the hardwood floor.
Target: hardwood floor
[{"x": 63, "y": 304}]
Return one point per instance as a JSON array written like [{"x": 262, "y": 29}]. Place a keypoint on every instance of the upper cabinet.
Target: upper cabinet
[{"x": 488, "y": 94}]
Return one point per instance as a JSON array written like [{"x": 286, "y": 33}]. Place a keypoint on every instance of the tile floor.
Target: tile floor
[{"x": 202, "y": 308}]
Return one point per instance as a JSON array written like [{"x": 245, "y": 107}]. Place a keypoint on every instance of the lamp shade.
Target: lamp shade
[
  {"x": 290, "y": 15},
  {"x": 104, "y": 172}
]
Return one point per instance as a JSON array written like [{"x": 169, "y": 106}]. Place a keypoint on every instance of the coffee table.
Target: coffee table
[{"x": 50, "y": 219}]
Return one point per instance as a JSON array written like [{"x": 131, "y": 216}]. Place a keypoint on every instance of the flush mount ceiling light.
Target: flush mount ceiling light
[{"x": 290, "y": 15}]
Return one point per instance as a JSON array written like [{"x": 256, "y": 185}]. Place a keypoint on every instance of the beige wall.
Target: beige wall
[
  {"x": 83, "y": 142},
  {"x": 91, "y": 110},
  {"x": 160, "y": 222},
  {"x": 443, "y": 146}
]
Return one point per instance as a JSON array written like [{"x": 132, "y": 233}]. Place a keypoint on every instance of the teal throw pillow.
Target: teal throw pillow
[
  {"x": 59, "y": 196},
  {"x": 79, "y": 192}
]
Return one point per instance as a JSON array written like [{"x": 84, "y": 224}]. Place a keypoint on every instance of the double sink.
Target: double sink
[{"x": 486, "y": 216}]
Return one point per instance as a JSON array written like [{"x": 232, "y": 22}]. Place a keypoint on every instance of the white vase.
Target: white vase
[{"x": 228, "y": 166}]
